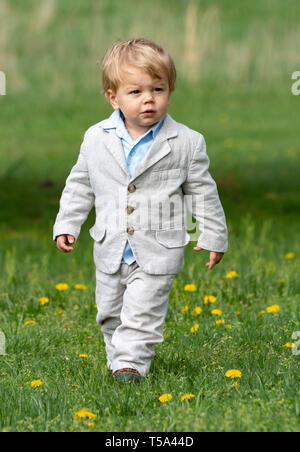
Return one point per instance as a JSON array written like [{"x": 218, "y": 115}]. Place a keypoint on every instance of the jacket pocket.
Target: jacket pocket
[
  {"x": 173, "y": 173},
  {"x": 97, "y": 233},
  {"x": 173, "y": 238}
]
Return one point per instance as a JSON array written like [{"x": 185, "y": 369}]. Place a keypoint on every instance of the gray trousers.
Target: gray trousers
[{"x": 132, "y": 307}]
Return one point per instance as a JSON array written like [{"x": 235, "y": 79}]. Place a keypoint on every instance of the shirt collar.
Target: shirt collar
[{"x": 115, "y": 121}]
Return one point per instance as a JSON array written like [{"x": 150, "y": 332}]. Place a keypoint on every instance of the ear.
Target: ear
[{"x": 111, "y": 96}]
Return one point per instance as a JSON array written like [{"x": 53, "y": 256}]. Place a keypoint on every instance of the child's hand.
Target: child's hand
[
  {"x": 214, "y": 257},
  {"x": 65, "y": 243}
]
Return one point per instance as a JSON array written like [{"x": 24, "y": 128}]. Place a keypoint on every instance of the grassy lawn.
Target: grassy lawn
[{"x": 251, "y": 126}]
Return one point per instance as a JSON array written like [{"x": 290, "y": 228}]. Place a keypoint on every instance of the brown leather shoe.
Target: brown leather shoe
[{"x": 126, "y": 374}]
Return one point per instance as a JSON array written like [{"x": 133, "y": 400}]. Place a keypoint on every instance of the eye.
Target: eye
[
  {"x": 158, "y": 89},
  {"x": 134, "y": 91}
]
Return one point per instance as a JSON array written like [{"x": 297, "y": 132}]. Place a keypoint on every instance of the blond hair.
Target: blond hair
[{"x": 138, "y": 52}]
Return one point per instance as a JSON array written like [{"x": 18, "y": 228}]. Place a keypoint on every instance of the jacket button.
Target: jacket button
[
  {"x": 130, "y": 230},
  {"x": 129, "y": 209},
  {"x": 131, "y": 188}
]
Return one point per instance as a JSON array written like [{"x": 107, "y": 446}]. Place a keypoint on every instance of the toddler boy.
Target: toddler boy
[{"x": 136, "y": 168}]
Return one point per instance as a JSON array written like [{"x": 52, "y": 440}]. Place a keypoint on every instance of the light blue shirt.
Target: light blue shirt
[{"x": 134, "y": 152}]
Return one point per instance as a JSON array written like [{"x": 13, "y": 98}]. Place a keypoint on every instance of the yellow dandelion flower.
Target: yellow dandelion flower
[
  {"x": 237, "y": 312},
  {"x": 233, "y": 373},
  {"x": 60, "y": 311},
  {"x": 187, "y": 397},
  {"x": 197, "y": 310},
  {"x": 231, "y": 274},
  {"x": 262, "y": 312},
  {"x": 282, "y": 280},
  {"x": 210, "y": 299},
  {"x": 219, "y": 322},
  {"x": 91, "y": 424},
  {"x": 164, "y": 398},
  {"x": 273, "y": 308},
  {"x": 62, "y": 286},
  {"x": 194, "y": 328},
  {"x": 216, "y": 312},
  {"x": 36, "y": 383},
  {"x": 228, "y": 326},
  {"x": 290, "y": 255},
  {"x": 76, "y": 307},
  {"x": 29, "y": 322},
  {"x": 190, "y": 288},
  {"x": 84, "y": 414},
  {"x": 83, "y": 355},
  {"x": 184, "y": 309},
  {"x": 80, "y": 287},
  {"x": 289, "y": 344},
  {"x": 43, "y": 300}
]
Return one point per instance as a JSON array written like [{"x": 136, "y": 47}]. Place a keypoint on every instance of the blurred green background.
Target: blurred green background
[{"x": 234, "y": 65}]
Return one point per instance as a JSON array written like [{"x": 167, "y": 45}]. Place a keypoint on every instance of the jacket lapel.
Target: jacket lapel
[
  {"x": 160, "y": 147},
  {"x": 114, "y": 145},
  {"x": 157, "y": 151}
]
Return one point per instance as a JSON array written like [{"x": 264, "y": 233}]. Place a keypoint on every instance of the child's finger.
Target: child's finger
[
  {"x": 213, "y": 260},
  {"x": 66, "y": 248},
  {"x": 68, "y": 243},
  {"x": 70, "y": 240},
  {"x": 62, "y": 244},
  {"x": 197, "y": 248}
]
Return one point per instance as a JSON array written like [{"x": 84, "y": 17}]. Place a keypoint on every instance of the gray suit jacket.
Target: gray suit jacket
[{"x": 148, "y": 209}]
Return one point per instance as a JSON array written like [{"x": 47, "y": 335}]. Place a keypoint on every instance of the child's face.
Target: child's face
[{"x": 143, "y": 100}]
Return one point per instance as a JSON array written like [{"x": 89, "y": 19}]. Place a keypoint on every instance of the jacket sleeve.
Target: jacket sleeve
[
  {"x": 77, "y": 199},
  {"x": 204, "y": 203}
]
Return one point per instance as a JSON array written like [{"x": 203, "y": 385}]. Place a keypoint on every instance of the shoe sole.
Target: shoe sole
[{"x": 125, "y": 377}]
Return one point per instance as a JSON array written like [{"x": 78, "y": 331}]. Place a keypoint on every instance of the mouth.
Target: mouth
[{"x": 148, "y": 112}]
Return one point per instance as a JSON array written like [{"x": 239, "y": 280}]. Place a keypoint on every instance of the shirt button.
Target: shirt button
[
  {"x": 130, "y": 230},
  {"x": 131, "y": 188},
  {"x": 129, "y": 209}
]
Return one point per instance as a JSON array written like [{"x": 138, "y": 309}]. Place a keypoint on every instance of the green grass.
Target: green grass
[
  {"x": 251, "y": 128},
  {"x": 268, "y": 396}
]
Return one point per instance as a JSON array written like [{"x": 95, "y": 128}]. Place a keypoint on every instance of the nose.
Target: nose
[{"x": 148, "y": 97}]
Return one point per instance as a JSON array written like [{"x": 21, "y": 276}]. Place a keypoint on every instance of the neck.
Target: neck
[{"x": 136, "y": 132}]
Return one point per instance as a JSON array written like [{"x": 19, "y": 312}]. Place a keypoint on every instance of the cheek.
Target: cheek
[
  {"x": 164, "y": 102},
  {"x": 132, "y": 106},
  {"x": 129, "y": 109}
]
